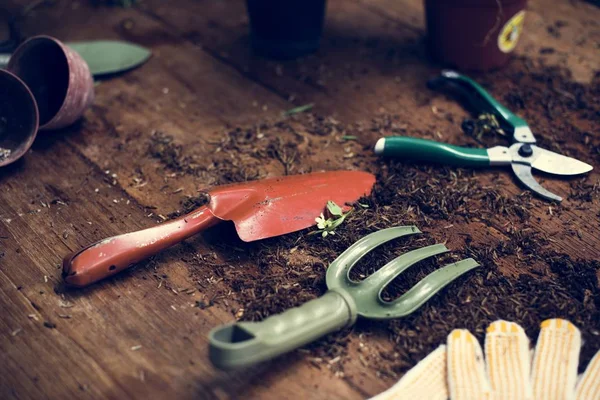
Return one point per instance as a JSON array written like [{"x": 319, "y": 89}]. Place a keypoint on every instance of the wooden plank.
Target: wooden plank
[
  {"x": 209, "y": 90},
  {"x": 350, "y": 57},
  {"x": 180, "y": 91},
  {"x": 97, "y": 332},
  {"x": 122, "y": 338},
  {"x": 106, "y": 151},
  {"x": 138, "y": 376},
  {"x": 24, "y": 337},
  {"x": 394, "y": 84}
]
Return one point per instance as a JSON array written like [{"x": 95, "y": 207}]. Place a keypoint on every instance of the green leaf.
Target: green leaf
[
  {"x": 327, "y": 227},
  {"x": 334, "y": 209},
  {"x": 349, "y": 137},
  {"x": 299, "y": 109},
  {"x": 339, "y": 221},
  {"x": 110, "y": 56}
]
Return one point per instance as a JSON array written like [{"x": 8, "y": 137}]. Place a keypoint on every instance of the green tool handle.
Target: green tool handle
[
  {"x": 431, "y": 151},
  {"x": 482, "y": 99},
  {"x": 246, "y": 343}
]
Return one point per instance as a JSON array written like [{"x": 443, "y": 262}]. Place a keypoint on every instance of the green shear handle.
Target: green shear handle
[
  {"x": 484, "y": 102},
  {"x": 431, "y": 151}
]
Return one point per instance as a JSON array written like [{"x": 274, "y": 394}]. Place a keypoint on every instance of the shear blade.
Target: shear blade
[
  {"x": 557, "y": 164},
  {"x": 523, "y": 173},
  {"x": 547, "y": 161}
]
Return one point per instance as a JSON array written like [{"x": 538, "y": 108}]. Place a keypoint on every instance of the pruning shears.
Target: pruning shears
[{"x": 522, "y": 155}]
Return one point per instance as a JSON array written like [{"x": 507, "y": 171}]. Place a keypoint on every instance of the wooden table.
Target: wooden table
[{"x": 141, "y": 334}]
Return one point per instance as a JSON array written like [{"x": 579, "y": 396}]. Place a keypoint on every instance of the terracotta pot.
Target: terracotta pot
[
  {"x": 58, "y": 77},
  {"x": 473, "y": 34},
  {"x": 286, "y": 29},
  {"x": 18, "y": 118}
]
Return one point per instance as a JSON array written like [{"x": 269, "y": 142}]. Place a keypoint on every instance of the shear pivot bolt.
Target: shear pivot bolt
[{"x": 525, "y": 150}]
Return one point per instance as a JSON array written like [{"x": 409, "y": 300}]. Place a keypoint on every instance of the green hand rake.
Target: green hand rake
[{"x": 245, "y": 343}]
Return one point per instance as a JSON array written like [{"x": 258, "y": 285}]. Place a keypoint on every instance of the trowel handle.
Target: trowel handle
[
  {"x": 110, "y": 256},
  {"x": 482, "y": 100},
  {"x": 245, "y": 343}
]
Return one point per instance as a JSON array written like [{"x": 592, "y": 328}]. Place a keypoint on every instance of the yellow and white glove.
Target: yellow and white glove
[
  {"x": 426, "y": 380},
  {"x": 507, "y": 372}
]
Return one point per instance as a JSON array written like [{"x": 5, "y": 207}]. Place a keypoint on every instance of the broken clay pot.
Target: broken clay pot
[
  {"x": 58, "y": 77},
  {"x": 18, "y": 118}
]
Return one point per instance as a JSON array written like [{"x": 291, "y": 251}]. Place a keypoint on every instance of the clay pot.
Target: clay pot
[
  {"x": 473, "y": 34},
  {"x": 286, "y": 29},
  {"x": 18, "y": 118},
  {"x": 58, "y": 77}
]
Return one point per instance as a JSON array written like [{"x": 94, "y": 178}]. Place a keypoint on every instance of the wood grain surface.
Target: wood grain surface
[{"x": 135, "y": 336}]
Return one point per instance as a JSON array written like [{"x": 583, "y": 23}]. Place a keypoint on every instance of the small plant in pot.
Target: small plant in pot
[
  {"x": 286, "y": 29},
  {"x": 474, "y": 35}
]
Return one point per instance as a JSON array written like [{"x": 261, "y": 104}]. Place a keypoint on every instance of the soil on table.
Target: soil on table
[{"x": 522, "y": 278}]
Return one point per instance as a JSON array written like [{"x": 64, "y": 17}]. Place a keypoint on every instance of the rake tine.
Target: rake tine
[
  {"x": 398, "y": 265},
  {"x": 337, "y": 273},
  {"x": 428, "y": 287}
]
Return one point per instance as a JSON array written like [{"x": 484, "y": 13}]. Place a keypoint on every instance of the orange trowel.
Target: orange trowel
[{"x": 259, "y": 209}]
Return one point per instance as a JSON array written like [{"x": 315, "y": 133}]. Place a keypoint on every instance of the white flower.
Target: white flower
[
  {"x": 321, "y": 221},
  {"x": 328, "y": 226}
]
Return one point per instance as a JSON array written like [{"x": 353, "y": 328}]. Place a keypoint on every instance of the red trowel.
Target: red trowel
[{"x": 259, "y": 210}]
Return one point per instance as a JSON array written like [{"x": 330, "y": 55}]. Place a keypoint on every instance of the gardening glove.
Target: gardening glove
[
  {"x": 507, "y": 372},
  {"x": 427, "y": 380}
]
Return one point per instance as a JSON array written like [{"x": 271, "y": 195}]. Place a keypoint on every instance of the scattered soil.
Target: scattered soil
[
  {"x": 523, "y": 277},
  {"x": 49, "y": 325}
]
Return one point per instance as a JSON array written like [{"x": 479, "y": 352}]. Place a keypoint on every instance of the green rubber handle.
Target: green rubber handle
[
  {"x": 246, "y": 343},
  {"x": 484, "y": 101},
  {"x": 429, "y": 150}
]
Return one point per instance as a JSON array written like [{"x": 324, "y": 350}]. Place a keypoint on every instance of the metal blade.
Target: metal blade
[
  {"x": 523, "y": 173},
  {"x": 557, "y": 164},
  {"x": 272, "y": 207}
]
